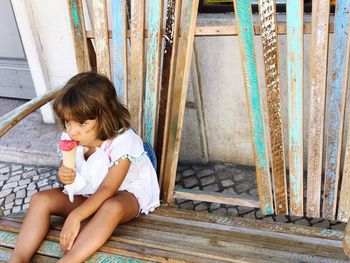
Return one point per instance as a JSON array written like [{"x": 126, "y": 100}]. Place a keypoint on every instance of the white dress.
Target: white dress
[{"x": 140, "y": 180}]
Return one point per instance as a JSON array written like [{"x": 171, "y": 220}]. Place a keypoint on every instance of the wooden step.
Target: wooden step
[{"x": 171, "y": 234}]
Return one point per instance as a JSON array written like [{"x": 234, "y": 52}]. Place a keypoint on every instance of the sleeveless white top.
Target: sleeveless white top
[{"x": 140, "y": 180}]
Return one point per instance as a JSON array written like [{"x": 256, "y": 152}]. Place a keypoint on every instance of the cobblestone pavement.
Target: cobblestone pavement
[{"x": 19, "y": 182}]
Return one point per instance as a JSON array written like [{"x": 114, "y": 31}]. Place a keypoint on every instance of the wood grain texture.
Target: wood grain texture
[
  {"x": 185, "y": 48},
  {"x": 267, "y": 11},
  {"x": 171, "y": 39},
  {"x": 215, "y": 197},
  {"x": 101, "y": 37},
  {"x": 318, "y": 78},
  {"x": 344, "y": 200},
  {"x": 119, "y": 50},
  {"x": 245, "y": 32},
  {"x": 295, "y": 39},
  {"x": 79, "y": 35},
  {"x": 335, "y": 107},
  {"x": 136, "y": 79},
  {"x": 155, "y": 9}
]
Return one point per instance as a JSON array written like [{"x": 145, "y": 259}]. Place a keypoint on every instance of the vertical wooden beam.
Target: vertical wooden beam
[
  {"x": 79, "y": 35},
  {"x": 33, "y": 49},
  {"x": 183, "y": 64},
  {"x": 318, "y": 77},
  {"x": 172, "y": 25},
  {"x": 119, "y": 49},
  {"x": 101, "y": 37},
  {"x": 344, "y": 201},
  {"x": 136, "y": 68},
  {"x": 335, "y": 107},
  {"x": 295, "y": 103},
  {"x": 152, "y": 69},
  {"x": 244, "y": 26},
  {"x": 267, "y": 10}
]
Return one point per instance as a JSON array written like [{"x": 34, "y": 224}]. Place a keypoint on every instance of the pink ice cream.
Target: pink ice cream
[{"x": 68, "y": 148}]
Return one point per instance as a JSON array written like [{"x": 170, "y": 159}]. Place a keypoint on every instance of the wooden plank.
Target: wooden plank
[
  {"x": 344, "y": 200},
  {"x": 215, "y": 197},
  {"x": 295, "y": 38},
  {"x": 33, "y": 48},
  {"x": 267, "y": 11},
  {"x": 79, "y": 35},
  {"x": 119, "y": 49},
  {"x": 318, "y": 77},
  {"x": 10, "y": 119},
  {"x": 136, "y": 79},
  {"x": 346, "y": 240},
  {"x": 335, "y": 107},
  {"x": 171, "y": 38},
  {"x": 6, "y": 253},
  {"x": 245, "y": 32},
  {"x": 182, "y": 73},
  {"x": 152, "y": 69},
  {"x": 101, "y": 37}
]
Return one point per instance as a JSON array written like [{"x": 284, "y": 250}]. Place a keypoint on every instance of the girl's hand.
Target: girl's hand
[
  {"x": 69, "y": 232},
  {"x": 66, "y": 175}
]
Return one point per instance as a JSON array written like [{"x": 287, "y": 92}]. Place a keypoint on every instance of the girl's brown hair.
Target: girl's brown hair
[{"x": 89, "y": 96}]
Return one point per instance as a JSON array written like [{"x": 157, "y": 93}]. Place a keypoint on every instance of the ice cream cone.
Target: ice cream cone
[{"x": 68, "y": 149}]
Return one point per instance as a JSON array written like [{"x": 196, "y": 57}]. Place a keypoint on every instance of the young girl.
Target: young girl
[{"x": 91, "y": 115}]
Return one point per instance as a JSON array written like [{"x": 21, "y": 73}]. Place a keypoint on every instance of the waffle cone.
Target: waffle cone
[{"x": 69, "y": 158}]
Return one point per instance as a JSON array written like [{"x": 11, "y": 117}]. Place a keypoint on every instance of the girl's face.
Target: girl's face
[{"x": 85, "y": 133}]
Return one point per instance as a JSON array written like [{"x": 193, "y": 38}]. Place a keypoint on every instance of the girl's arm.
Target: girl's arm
[{"x": 108, "y": 188}]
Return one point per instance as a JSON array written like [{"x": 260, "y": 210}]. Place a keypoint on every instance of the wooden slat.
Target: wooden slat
[
  {"x": 119, "y": 49},
  {"x": 6, "y": 253},
  {"x": 295, "y": 103},
  {"x": 318, "y": 76},
  {"x": 267, "y": 10},
  {"x": 335, "y": 107},
  {"x": 172, "y": 25},
  {"x": 136, "y": 80},
  {"x": 215, "y": 197},
  {"x": 155, "y": 9},
  {"x": 79, "y": 35},
  {"x": 245, "y": 32},
  {"x": 182, "y": 73},
  {"x": 10, "y": 119},
  {"x": 202, "y": 31},
  {"x": 344, "y": 201},
  {"x": 101, "y": 37}
]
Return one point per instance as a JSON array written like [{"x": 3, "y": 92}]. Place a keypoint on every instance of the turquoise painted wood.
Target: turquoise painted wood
[
  {"x": 295, "y": 103},
  {"x": 335, "y": 107},
  {"x": 152, "y": 69},
  {"x": 245, "y": 32},
  {"x": 119, "y": 49}
]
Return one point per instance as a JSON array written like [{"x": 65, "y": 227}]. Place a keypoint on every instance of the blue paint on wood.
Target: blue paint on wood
[
  {"x": 152, "y": 73},
  {"x": 119, "y": 48},
  {"x": 245, "y": 25},
  {"x": 295, "y": 102},
  {"x": 76, "y": 18},
  {"x": 335, "y": 107}
]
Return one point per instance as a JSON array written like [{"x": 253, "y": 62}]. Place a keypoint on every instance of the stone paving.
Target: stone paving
[{"x": 19, "y": 182}]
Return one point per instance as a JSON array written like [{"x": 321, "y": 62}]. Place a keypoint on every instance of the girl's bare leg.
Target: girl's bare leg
[
  {"x": 118, "y": 209},
  {"x": 36, "y": 223}
]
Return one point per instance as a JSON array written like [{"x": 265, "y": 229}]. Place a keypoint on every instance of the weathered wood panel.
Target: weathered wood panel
[
  {"x": 152, "y": 69},
  {"x": 101, "y": 37},
  {"x": 136, "y": 80},
  {"x": 185, "y": 49},
  {"x": 318, "y": 76},
  {"x": 335, "y": 107},
  {"x": 169, "y": 57},
  {"x": 119, "y": 49},
  {"x": 267, "y": 10},
  {"x": 79, "y": 35},
  {"x": 344, "y": 201},
  {"x": 245, "y": 32},
  {"x": 295, "y": 38}
]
